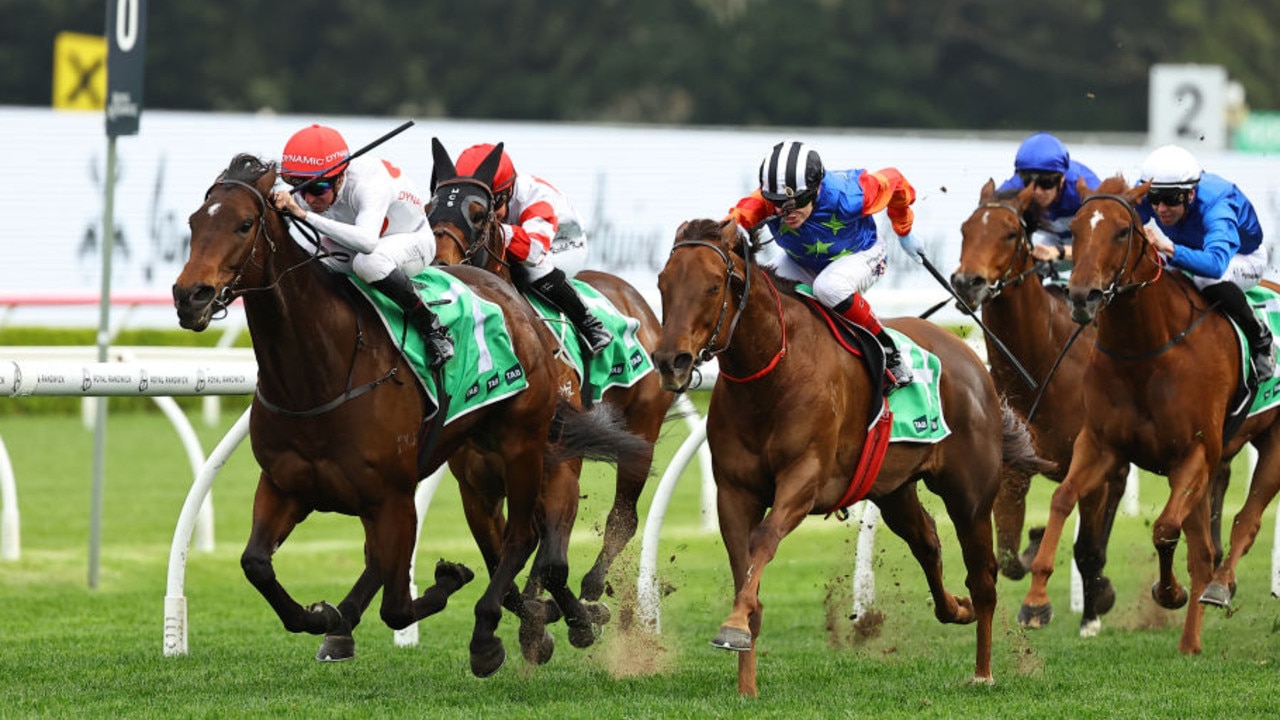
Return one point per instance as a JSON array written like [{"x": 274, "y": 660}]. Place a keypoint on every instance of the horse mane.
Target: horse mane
[{"x": 247, "y": 168}]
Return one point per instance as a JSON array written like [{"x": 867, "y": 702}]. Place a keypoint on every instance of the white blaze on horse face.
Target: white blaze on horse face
[
  {"x": 1095, "y": 219},
  {"x": 213, "y": 209},
  {"x": 986, "y": 217}
]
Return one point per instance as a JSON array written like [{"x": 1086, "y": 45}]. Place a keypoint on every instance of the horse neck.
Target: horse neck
[
  {"x": 760, "y": 333},
  {"x": 1148, "y": 317},
  {"x": 303, "y": 327},
  {"x": 1030, "y": 324}
]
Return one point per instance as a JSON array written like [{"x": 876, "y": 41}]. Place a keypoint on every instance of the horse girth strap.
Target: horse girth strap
[{"x": 350, "y": 394}]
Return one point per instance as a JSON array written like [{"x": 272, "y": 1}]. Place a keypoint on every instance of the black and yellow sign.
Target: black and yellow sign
[{"x": 79, "y": 71}]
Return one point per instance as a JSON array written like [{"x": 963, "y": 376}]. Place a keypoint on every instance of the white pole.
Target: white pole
[
  {"x": 864, "y": 573},
  {"x": 408, "y": 637},
  {"x": 10, "y": 536}
]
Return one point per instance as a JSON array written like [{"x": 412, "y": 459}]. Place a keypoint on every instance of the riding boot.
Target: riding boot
[
  {"x": 1231, "y": 300},
  {"x": 435, "y": 336},
  {"x": 554, "y": 287},
  {"x": 856, "y": 309}
]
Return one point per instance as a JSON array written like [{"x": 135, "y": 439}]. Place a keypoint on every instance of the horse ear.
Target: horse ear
[
  {"x": 1135, "y": 195},
  {"x": 489, "y": 166},
  {"x": 1082, "y": 188},
  {"x": 1026, "y": 196},
  {"x": 988, "y": 191},
  {"x": 443, "y": 168}
]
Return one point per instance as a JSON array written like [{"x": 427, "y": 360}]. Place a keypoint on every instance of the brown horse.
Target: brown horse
[
  {"x": 339, "y": 424},
  {"x": 1156, "y": 392},
  {"x": 998, "y": 274},
  {"x": 787, "y": 434},
  {"x": 468, "y": 232}
]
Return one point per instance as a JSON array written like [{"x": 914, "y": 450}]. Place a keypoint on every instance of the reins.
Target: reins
[
  {"x": 229, "y": 295},
  {"x": 709, "y": 350}
]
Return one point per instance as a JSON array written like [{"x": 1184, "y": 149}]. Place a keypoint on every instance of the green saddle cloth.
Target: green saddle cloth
[
  {"x": 917, "y": 408},
  {"x": 484, "y": 368},
  {"x": 1266, "y": 305},
  {"x": 622, "y": 364}
]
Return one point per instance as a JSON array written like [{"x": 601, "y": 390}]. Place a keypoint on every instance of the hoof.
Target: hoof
[
  {"x": 541, "y": 610},
  {"x": 326, "y": 618},
  {"x": 1104, "y": 596},
  {"x": 583, "y": 634},
  {"x": 598, "y": 612},
  {"x": 489, "y": 659},
  {"x": 732, "y": 638},
  {"x": 1216, "y": 594},
  {"x": 1178, "y": 600},
  {"x": 1035, "y": 616},
  {"x": 336, "y": 648},
  {"x": 453, "y": 574},
  {"x": 1090, "y": 628},
  {"x": 1011, "y": 566},
  {"x": 536, "y": 644}
]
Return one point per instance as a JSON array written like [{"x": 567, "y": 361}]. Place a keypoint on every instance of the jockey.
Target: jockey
[
  {"x": 540, "y": 227},
  {"x": 1043, "y": 161},
  {"x": 1206, "y": 226},
  {"x": 823, "y": 222},
  {"x": 372, "y": 209}
]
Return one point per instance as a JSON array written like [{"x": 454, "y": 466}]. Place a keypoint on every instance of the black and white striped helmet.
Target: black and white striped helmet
[{"x": 792, "y": 170}]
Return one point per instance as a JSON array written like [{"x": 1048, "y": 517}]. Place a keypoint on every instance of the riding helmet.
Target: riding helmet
[
  {"x": 470, "y": 159},
  {"x": 1043, "y": 153},
  {"x": 315, "y": 150},
  {"x": 1171, "y": 166},
  {"x": 791, "y": 170}
]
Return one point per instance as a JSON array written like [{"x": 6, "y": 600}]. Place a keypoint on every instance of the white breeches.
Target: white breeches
[
  {"x": 840, "y": 279},
  {"x": 411, "y": 252},
  {"x": 1243, "y": 270}
]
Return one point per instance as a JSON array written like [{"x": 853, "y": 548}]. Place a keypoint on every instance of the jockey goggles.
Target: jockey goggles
[
  {"x": 316, "y": 188},
  {"x": 1044, "y": 181},
  {"x": 1168, "y": 196},
  {"x": 790, "y": 204}
]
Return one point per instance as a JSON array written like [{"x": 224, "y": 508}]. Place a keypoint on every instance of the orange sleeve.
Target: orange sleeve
[
  {"x": 751, "y": 210},
  {"x": 887, "y": 188}
]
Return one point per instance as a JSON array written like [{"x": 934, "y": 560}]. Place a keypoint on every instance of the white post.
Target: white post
[
  {"x": 10, "y": 535},
  {"x": 864, "y": 573},
  {"x": 408, "y": 637}
]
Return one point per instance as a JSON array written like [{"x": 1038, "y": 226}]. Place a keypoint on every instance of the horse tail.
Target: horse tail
[
  {"x": 1018, "y": 452},
  {"x": 595, "y": 433}
]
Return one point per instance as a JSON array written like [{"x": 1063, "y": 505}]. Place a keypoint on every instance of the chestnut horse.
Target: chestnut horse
[
  {"x": 1156, "y": 392},
  {"x": 787, "y": 425},
  {"x": 340, "y": 424},
  {"x": 467, "y": 232},
  {"x": 998, "y": 274}
]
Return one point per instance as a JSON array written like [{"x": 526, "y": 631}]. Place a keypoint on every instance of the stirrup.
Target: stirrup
[
  {"x": 439, "y": 347},
  {"x": 1264, "y": 365},
  {"x": 596, "y": 337}
]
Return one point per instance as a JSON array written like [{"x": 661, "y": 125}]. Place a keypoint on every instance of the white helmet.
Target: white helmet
[{"x": 1171, "y": 166}]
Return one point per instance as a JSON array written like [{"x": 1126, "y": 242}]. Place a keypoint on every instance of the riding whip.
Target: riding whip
[
  {"x": 1026, "y": 377},
  {"x": 347, "y": 160}
]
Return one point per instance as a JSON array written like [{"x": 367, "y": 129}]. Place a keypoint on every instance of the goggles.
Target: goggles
[
  {"x": 1169, "y": 196},
  {"x": 790, "y": 204},
  {"x": 317, "y": 187},
  {"x": 1044, "y": 181}
]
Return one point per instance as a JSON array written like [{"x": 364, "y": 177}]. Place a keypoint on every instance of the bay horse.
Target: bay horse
[
  {"x": 998, "y": 274},
  {"x": 1157, "y": 392},
  {"x": 339, "y": 424},
  {"x": 786, "y": 427},
  {"x": 469, "y": 233}
]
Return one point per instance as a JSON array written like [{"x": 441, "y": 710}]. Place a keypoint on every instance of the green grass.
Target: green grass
[{"x": 79, "y": 652}]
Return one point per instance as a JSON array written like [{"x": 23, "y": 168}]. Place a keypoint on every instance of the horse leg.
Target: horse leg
[
  {"x": 520, "y": 537},
  {"x": 1010, "y": 514},
  {"x": 902, "y": 513},
  {"x": 740, "y": 512},
  {"x": 551, "y": 566},
  {"x": 1097, "y": 516},
  {"x": 973, "y": 531},
  {"x": 623, "y": 520},
  {"x": 1248, "y": 522},
  {"x": 1091, "y": 465},
  {"x": 1200, "y": 568},
  {"x": 1218, "y": 484},
  {"x": 1187, "y": 487},
  {"x": 339, "y": 644},
  {"x": 274, "y": 517}
]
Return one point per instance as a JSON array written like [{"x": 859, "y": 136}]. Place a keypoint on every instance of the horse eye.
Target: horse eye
[{"x": 246, "y": 225}]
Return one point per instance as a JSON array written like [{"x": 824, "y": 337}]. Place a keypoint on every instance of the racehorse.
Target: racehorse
[
  {"x": 998, "y": 274},
  {"x": 1157, "y": 392},
  {"x": 468, "y": 232},
  {"x": 339, "y": 424},
  {"x": 787, "y": 425}
]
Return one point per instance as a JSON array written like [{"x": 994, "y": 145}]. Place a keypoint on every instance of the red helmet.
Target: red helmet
[
  {"x": 313, "y": 150},
  {"x": 470, "y": 159}
]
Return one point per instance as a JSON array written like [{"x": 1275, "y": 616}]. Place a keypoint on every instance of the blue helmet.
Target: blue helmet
[{"x": 1042, "y": 152}]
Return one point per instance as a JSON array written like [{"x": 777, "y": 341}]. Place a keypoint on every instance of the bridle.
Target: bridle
[
  {"x": 1010, "y": 276},
  {"x": 725, "y": 324},
  {"x": 1130, "y": 256},
  {"x": 450, "y": 219}
]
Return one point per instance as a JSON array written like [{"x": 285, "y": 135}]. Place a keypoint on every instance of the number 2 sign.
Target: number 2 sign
[{"x": 1188, "y": 106}]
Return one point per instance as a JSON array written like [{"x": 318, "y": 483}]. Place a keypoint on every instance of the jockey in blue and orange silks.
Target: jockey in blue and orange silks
[{"x": 823, "y": 222}]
